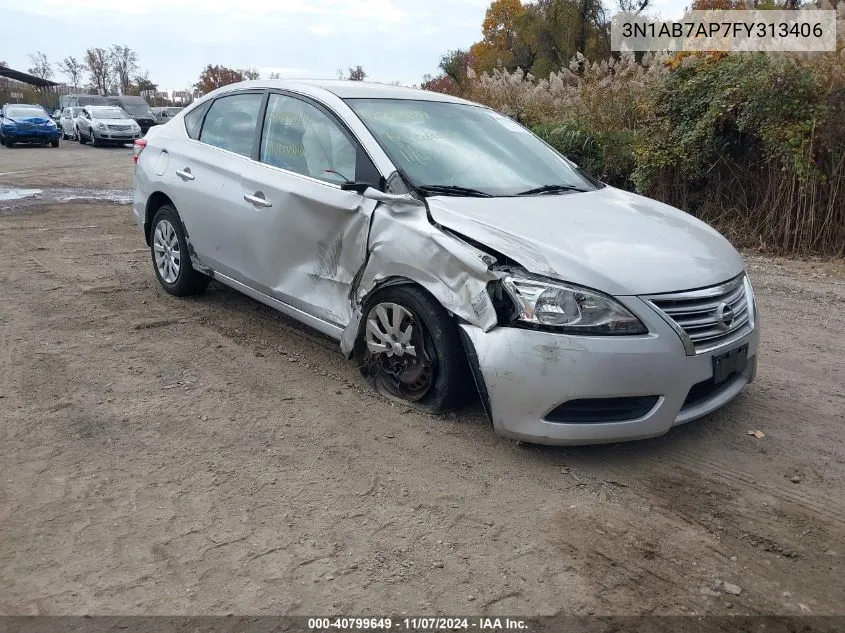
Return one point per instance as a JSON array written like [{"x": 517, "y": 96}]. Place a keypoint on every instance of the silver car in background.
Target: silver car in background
[
  {"x": 450, "y": 251},
  {"x": 106, "y": 125},
  {"x": 164, "y": 114},
  {"x": 67, "y": 122}
]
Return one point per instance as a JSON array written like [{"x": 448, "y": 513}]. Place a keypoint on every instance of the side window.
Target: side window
[
  {"x": 230, "y": 122},
  {"x": 193, "y": 120},
  {"x": 300, "y": 137}
]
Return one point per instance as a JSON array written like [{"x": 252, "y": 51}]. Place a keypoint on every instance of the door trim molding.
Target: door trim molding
[{"x": 329, "y": 329}]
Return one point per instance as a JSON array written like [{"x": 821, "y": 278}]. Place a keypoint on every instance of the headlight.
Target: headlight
[
  {"x": 569, "y": 309},
  {"x": 51, "y": 123},
  {"x": 101, "y": 126}
]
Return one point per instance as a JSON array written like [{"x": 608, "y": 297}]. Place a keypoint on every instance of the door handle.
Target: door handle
[
  {"x": 257, "y": 200},
  {"x": 185, "y": 174}
]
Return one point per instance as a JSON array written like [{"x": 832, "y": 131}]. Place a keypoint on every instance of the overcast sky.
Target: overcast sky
[{"x": 394, "y": 40}]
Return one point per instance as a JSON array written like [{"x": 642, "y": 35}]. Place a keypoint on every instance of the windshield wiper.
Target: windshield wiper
[
  {"x": 550, "y": 189},
  {"x": 453, "y": 190}
]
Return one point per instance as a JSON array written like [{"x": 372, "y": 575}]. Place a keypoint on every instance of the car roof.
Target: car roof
[{"x": 346, "y": 89}]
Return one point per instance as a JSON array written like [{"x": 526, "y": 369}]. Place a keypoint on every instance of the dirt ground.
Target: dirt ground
[{"x": 209, "y": 456}]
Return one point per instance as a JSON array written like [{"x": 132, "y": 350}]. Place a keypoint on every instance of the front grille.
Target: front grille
[
  {"x": 709, "y": 317},
  {"x": 120, "y": 128},
  {"x": 598, "y": 410}
]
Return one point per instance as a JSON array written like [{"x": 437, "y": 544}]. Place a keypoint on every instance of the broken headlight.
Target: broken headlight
[{"x": 569, "y": 309}]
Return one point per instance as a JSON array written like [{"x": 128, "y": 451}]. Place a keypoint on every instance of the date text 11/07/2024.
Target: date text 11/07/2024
[{"x": 417, "y": 624}]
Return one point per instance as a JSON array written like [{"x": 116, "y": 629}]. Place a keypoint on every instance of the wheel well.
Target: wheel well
[
  {"x": 468, "y": 348},
  {"x": 154, "y": 203}
]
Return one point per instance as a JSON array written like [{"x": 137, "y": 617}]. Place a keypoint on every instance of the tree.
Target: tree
[
  {"x": 40, "y": 66},
  {"x": 249, "y": 73},
  {"x": 212, "y": 77},
  {"x": 275, "y": 76},
  {"x": 73, "y": 69},
  {"x": 455, "y": 63},
  {"x": 142, "y": 82},
  {"x": 99, "y": 68},
  {"x": 124, "y": 62},
  {"x": 357, "y": 73}
]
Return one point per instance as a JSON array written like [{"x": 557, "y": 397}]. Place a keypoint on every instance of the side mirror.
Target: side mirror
[
  {"x": 404, "y": 198},
  {"x": 358, "y": 187}
]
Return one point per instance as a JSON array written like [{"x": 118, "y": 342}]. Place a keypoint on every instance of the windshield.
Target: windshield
[
  {"x": 137, "y": 108},
  {"x": 108, "y": 113},
  {"x": 21, "y": 112},
  {"x": 435, "y": 143}
]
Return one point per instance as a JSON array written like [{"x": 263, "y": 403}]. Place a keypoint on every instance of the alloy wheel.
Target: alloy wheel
[{"x": 168, "y": 256}]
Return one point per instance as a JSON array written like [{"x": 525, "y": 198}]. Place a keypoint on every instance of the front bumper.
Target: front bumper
[
  {"x": 525, "y": 374},
  {"x": 117, "y": 137},
  {"x": 33, "y": 136}
]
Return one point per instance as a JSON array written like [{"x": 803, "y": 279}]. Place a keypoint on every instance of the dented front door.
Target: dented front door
[
  {"x": 305, "y": 237},
  {"x": 305, "y": 243}
]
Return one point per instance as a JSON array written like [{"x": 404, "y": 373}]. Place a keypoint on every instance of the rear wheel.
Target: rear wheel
[
  {"x": 171, "y": 261},
  {"x": 411, "y": 351}
]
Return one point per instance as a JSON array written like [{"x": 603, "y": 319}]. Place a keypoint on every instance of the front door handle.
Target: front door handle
[
  {"x": 185, "y": 174},
  {"x": 258, "y": 199}
]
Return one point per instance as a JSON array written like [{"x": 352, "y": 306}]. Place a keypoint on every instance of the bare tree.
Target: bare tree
[
  {"x": 124, "y": 62},
  {"x": 275, "y": 76},
  {"x": 99, "y": 67},
  {"x": 249, "y": 73},
  {"x": 73, "y": 69},
  {"x": 40, "y": 66}
]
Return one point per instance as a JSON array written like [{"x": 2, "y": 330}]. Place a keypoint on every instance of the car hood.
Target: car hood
[
  {"x": 611, "y": 240},
  {"x": 35, "y": 120}
]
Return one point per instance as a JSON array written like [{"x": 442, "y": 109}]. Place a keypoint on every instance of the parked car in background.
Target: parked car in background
[
  {"x": 57, "y": 114},
  {"x": 106, "y": 125},
  {"x": 444, "y": 245},
  {"x": 79, "y": 101},
  {"x": 67, "y": 122},
  {"x": 138, "y": 109},
  {"x": 22, "y": 123},
  {"x": 163, "y": 115}
]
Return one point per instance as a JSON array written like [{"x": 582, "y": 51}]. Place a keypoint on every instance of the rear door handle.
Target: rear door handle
[
  {"x": 258, "y": 200},
  {"x": 185, "y": 174}
]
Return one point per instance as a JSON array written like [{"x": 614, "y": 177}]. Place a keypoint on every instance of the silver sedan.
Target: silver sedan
[{"x": 450, "y": 252}]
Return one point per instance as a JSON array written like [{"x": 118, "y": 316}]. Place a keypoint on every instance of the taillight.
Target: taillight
[{"x": 139, "y": 146}]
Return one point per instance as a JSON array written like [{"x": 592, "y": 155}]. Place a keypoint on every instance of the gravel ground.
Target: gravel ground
[{"x": 209, "y": 456}]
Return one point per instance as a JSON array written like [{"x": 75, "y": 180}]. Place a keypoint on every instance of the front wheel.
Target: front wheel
[
  {"x": 411, "y": 351},
  {"x": 80, "y": 137},
  {"x": 171, "y": 261},
  {"x": 94, "y": 140},
  {"x": 54, "y": 143}
]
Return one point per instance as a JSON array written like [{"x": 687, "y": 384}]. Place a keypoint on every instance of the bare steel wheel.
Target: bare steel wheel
[
  {"x": 399, "y": 345},
  {"x": 409, "y": 349},
  {"x": 166, "y": 248}
]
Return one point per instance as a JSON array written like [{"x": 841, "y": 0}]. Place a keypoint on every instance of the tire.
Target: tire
[
  {"x": 447, "y": 381},
  {"x": 186, "y": 281},
  {"x": 80, "y": 137},
  {"x": 10, "y": 143},
  {"x": 54, "y": 143},
  {"x": 95, "y": 141}
]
